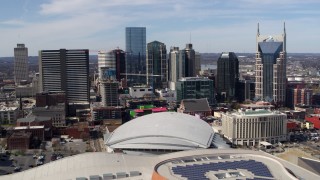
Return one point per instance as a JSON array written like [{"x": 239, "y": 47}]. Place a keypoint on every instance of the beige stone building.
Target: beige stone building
[{"x": 251, "y": 127}]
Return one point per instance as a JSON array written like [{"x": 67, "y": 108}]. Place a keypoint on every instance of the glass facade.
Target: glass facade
[
  {"x": 136, "y": 54},
  {"x": 270, "y": 51},
  {"x": 157, "y": 69},
  {"x": 195, "y": 88},
  {"x": 227, "y": 74}
]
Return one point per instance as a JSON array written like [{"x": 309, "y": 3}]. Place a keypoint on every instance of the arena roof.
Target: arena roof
[
  {"x": 99, "y": 164},
  {"x": 166, "y": 130}
]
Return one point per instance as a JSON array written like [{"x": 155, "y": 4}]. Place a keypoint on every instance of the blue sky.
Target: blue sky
[{"x": 214, "y": 25}]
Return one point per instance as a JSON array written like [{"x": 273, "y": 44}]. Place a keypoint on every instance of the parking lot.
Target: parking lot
[{"x": 28, "y": 159}]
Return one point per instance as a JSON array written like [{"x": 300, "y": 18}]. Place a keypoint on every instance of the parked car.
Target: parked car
[{"x": 17, "y": 168}]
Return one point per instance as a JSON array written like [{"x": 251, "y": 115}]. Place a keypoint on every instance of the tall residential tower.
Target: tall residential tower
[
  {"x": 157, "y": 66},
  {"x": 112, "y": 64},
  {"x": 65, "y": 70},
  {"x": 271, "y": 67}
]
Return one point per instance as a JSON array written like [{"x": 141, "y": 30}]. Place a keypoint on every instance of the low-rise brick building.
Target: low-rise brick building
[
  {"x": 37, "y": 132},
  {"x": 19, "y": 140},
  {"x": 35, "y": 121}
]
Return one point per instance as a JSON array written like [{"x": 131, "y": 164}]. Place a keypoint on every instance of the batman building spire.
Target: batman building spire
[{"x": 271, "y": 68}]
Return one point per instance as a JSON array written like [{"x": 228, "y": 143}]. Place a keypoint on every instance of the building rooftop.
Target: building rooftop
[
  {"x": 34, "y": 118},
  {"x": 21, "y": 135},
  {"x": 50, "y": 108},
  {"x": 195, "y": 105},
  {"x": 164, "y": 130},
  {"x": 209, "y": 163},
  {"x": 99, "y": 105},
  {"x": 195, "y": 79},
  {"x": 7, "y": 108},
  {"x": 28, "y": 127},
  {"x": 257, "y": 112}
]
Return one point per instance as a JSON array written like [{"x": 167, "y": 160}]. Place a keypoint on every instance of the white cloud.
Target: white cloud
[{"x": 14, "y": 22}]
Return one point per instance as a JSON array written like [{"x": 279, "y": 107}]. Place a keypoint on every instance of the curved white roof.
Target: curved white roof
[
  {"x": 166, "y": 130},
  {"x": 99, "y": 163}
]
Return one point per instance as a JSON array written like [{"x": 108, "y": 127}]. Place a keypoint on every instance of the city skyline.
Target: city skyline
[{"x": 211, "y": 26}]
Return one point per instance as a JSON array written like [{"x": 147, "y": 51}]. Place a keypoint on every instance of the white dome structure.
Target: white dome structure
[{"x": 167, "y": 131}]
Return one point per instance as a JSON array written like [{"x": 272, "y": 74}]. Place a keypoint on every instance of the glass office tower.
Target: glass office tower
[
  {"x": 136, "y": 54},
  {"x": 195, "y": 88},
  {"x": 227, "y": 75}
]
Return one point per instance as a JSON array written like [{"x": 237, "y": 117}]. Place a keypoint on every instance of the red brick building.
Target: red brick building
[
  {"x": 19, "y": 140},
  {"x": 78, "y": 131},
  {"x": 302, "y": 96},
  {"x": 50, "y": 99},
  {"x": 36, "y": 131},
  {"x": 35, "y": 121}
]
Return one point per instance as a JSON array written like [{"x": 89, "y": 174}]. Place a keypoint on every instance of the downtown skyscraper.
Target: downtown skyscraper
[
  {"x": 227, "y": 75},
  {"x": 112, "y": 69},
  {"x": 176, "y": 66},
  {"x": 136, "y": 54},
  {"x": 112, "y": 64},
  {"x": 271, "y": 57},
  {"x": 21, "y": 71},
  {"x": 190, "y": 61},
  {"x": 157, "y": 65},
  {"x": 65, "y": 70}
]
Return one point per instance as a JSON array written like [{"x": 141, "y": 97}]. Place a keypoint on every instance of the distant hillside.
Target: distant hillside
[
  {"x": 34, "y": 59},
  {"x": 308, "y": 60}
]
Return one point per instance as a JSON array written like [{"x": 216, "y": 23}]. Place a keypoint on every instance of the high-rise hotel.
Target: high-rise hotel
[{"x": 271, "y": 67}]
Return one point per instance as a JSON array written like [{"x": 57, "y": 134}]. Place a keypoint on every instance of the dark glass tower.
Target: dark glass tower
[
  {"x": 190, "y": 62},
  {"x": 136, "y": 54},
  {"x": 157, "y": 70},
  {"x": 195, "y": 88},
  {"x": 227, "y": 75}
]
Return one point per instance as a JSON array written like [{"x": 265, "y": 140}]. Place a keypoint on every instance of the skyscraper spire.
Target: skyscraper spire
[
  {"x": 284, "y": 27},
  {"x": 258, "y": 31}
]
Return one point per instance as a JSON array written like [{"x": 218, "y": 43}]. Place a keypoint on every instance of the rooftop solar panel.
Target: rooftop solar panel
[{"x": 197, "y": 171}]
